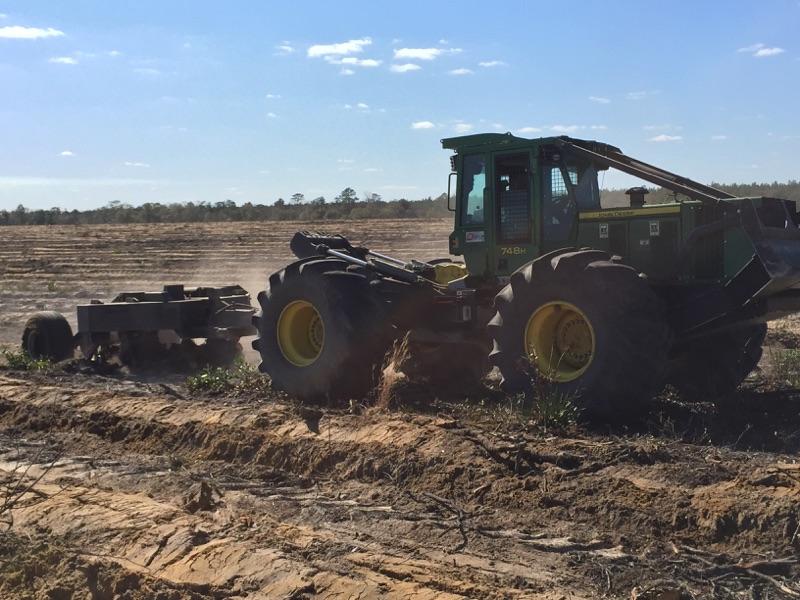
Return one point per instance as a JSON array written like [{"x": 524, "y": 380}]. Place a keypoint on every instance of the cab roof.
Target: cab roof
[{"x": 508, "y": 139}]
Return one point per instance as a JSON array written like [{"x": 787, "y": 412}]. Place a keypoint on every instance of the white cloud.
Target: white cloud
[
  {"x": 461, "y": 71},
  {"x": 666, "y": 138},
  {"x": 422, "y": 125},
  {"x": 347, "y": 72},
  {"x": 599, "y": 100},
  {"x": 751, "y": 49},
  {"x": 284, "y": 49},
  {"x": 137, "y": 164},
  {"x": 17, "y": 32},
  {"x": 565, "y": 128},
  {"x": 641, "y": 94},
  {"x": 404, "y": 68},
  {"x": 63, "y": 60},
  {"x": 362, "y": 105},
  {"x": 3, "y": 16},
  {"x": 372, "y": 170},
  {"x": 353, "y": 61},
  {"x": 67, "y": 153},
  {"x": 418, "y": 53},
  {"x": 525, "y": 130},
  {"x": 598, "y": 127},
  {"x": 719, "y": 138},
  {"x": 272, "y": 115},
  {"x": 760, "y": 50},
  {"x": 423, "y": 53},
  {"x": 768, "y": 52},
  {"x": 491, "y": 63},
  {"x": 273, "y": 96},
  {"x": 340, "y": 49},
  {"x": 345, "y": 161},
  {"x": 114, "y": 53},
  {"x": 463, "y": 127}
]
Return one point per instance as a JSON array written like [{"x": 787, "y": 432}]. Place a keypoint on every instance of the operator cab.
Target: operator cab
[{"x": 515, "y": 199}]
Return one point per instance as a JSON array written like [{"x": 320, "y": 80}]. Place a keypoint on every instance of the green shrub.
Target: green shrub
[
  {"x": 240, "y": 379},
  {"x": 785, "y": 369},
  {"x": 21, "y": 361},
  {"x": 554, "y": 408}
]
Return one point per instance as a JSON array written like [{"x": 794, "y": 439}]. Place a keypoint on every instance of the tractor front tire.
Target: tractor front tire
[
  {"x": 47, "y": 335},
  {"x": 322, "y": 331},
  {"x": 588, "y": 327},
  {"x": 715, "y": 366}
]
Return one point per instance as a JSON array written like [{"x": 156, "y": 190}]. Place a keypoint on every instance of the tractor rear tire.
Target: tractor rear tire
[
  {"x": 322, "y": 331},
  {"x": 587, "y": 325},
  {"x": 48, "y": 335},
  {"x": 715, "y": 366}
]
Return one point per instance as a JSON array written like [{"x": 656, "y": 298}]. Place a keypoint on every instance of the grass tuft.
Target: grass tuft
[
  {"x": 554, "y": 409},
  {"x": 785, "y": 369},
  {"x": 19, "y": 360},
  {"x": 240, "y": 379}
]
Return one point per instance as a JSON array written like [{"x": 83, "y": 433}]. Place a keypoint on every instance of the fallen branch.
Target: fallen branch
[{"x": 460, "y": 515}]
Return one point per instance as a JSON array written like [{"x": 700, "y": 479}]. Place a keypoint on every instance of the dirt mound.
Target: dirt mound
[
  {"x": 46, "y": 568},
  {"x": 259, "y": 497}
]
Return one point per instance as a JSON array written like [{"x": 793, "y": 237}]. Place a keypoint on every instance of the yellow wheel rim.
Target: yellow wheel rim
[
  {"x": 560, "y": 341},
  {"x": 301, "y": 333}
]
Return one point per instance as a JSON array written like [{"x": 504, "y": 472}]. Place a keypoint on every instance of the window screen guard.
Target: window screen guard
[{"x": 512, "y": 195}]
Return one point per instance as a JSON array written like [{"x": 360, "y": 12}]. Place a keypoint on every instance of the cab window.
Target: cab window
[
  {"x": 472, "y": 189},
  {"x": 512, "y": 191},
  {"x": 558, "y": 205}
]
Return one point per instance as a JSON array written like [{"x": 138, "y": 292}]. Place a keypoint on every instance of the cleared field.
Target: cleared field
[
  {"x": 142, "y": 491},
  {"x": 132, "y": 487},
  {"x": 57, "y": 267}
]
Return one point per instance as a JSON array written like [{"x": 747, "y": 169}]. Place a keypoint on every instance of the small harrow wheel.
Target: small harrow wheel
[
  {"x": 48, "y": 335},
  {"x": 220, "y": 352}
]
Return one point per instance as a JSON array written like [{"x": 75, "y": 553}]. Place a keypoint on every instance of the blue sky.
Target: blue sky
[{"x": 204, "y": 101}]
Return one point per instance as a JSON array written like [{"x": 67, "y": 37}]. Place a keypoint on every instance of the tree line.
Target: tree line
[{"x": 346, "y": 205}]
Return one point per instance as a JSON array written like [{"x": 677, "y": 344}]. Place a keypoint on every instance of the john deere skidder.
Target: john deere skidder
[{"x": 608, "y": 304}]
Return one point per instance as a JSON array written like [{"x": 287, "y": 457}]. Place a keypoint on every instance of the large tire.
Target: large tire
[
  {"x": 715, "y": 366},
  {"x": 47, "y": 335},
  {"x": 322, "y": 331},
  {"x": 617, "y": 363}
]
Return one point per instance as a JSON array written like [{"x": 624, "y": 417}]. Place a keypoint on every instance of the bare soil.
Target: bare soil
[
  {"x": 135, "y": 489},
  {"x": 59, "y": 266}
]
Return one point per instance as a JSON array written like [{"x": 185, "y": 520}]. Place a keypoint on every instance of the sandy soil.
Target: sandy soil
[
  {"x": 133, "y": 488},
  {"x": 57, "y": 267},
  {"x": 137, "y": 484}
]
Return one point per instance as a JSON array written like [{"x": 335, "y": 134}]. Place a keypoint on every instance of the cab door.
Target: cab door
[
  {"x": 514, "y": 228},
  {"x": 472, "y": 236}
]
